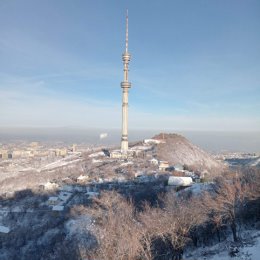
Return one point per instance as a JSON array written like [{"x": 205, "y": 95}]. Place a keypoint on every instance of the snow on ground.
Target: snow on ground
[
  {"x": 81, "y": 229},
  {"x": 50, "y": 186},
  {"x": 126, "y": 164},
  {"x": 96, "y": 161},
  {"x": 197, "y": 188},
  {"x": 82, "y": 178},
  {"x": 247, "y": 249},
  {"x": 4, "y": 229},
  {"x": 62, "y": 162},
  {"x": 153, "y": 141},
  {"x": 79, "y": 225},
  {"x": 97, "y": 154},
  {"x": 256, "y": 162},
  {"x": 27, "y": 169},
  {"x": 140, "y": 148}
]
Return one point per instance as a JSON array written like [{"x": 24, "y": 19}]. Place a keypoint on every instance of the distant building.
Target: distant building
[
  {"x": 163, "y": 165},
  {"x": 23, "y": 153},
  {"x": 61, "y": 152},
  {"x": 64, "y": 196},
  {"x": 34, "y": 144},
  {"x": 117, "y": 154},
  {"x": 139, "y": 151},
  {"x": 154, "y": 161},
  {"x": 53, "y": 200},
  {"x": 17, "y": 154},
  {"x": 58, "y": 208},
  {"x": 4, "y": 154},
  {"x": 74, "y": 148}
]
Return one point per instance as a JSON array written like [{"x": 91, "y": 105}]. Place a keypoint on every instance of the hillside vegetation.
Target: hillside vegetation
[{"x": 178, "y": 224}]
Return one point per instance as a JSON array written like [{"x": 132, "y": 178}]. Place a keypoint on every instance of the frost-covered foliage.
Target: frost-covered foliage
[
  {"x": 79, "y": 230},
  {"x": 179, "y": 223},
  {"x": 124, "y": 225}
]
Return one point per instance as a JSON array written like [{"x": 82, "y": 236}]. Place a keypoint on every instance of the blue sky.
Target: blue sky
[{"x": 195, "y": 64}]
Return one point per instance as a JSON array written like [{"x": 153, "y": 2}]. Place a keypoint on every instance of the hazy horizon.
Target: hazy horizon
[
  {"x": 194, "y": 66},
  {"x": 212, "y": 141}
]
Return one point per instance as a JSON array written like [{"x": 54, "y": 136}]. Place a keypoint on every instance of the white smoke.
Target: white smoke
[{"x": 103, "y": 136}]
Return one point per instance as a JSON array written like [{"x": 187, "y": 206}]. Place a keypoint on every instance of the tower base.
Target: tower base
[
  {"x": 124, "y": 146},
  {"x": 118, "y": 154}
]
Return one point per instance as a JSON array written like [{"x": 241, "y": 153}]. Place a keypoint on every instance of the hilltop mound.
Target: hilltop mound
[{"x": 176, "y": 149}]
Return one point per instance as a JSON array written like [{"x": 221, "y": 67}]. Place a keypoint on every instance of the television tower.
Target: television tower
[{"x": 125, "y": 85}]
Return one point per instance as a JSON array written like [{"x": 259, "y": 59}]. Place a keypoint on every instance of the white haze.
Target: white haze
[{"x": 211, "y": 141}]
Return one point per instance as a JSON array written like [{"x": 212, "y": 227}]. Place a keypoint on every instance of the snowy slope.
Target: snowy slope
[
  {"x": 247, "y": 249},
  {"x": 176, "y": 149}
]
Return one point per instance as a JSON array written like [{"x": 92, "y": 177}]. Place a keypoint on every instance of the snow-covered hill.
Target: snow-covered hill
[{"x": 176, "y": 149}]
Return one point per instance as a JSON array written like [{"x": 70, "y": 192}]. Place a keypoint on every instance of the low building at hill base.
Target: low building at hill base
[{"x": 179, "y": 181}]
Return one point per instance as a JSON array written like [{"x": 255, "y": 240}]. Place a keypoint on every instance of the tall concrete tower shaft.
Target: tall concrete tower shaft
[{"x": 125, "y": 85}]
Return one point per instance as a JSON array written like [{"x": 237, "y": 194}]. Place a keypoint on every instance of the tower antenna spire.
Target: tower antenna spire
[{"x": 126, "y": 34}]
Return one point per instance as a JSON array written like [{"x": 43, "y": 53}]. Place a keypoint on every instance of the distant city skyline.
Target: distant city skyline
[{"x": 195, "y": 64}]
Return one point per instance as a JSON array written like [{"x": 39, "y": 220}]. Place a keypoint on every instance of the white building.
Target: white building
[
  {"x": 53, "y": 200},
  {"x": 154, "y": 161},
  {"x": 163, "y": 165},
  {"x": 58, "y": 208},
  {"x": 179, "y": 181},
  {"x": 4, "y": 229}
]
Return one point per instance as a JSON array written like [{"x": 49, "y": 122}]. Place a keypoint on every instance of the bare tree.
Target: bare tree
[
  {"x": 117, "y": 230},
  {"x": 163, "y": 232},
  {"x": 225, "y": 204},
  {"x": 172, "y": 224}
]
